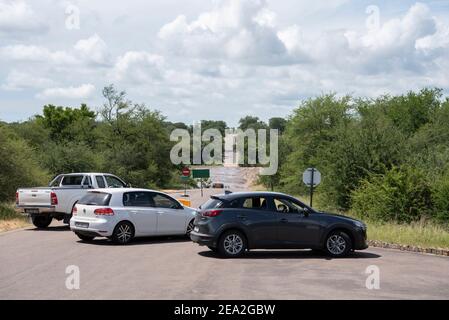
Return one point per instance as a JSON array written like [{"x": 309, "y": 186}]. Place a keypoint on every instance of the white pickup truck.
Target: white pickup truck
[{"x": 58, "y": 199}]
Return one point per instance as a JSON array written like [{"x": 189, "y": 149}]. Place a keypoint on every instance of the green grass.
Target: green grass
[
  {"x": 426, "y": 234},
  {"x": 7, "y": 212},
  {"x": 9, "y": 219},
  {"x": 422, "y": 234}
]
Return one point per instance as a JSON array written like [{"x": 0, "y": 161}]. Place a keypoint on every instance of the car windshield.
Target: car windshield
[{"x": 96, "y": 199}]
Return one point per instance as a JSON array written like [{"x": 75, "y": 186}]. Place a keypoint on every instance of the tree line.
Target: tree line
[{"x": 386, "y": 158}]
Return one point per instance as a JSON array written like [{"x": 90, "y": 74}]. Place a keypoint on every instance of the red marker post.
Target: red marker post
[{"x": 185, "y": 174}]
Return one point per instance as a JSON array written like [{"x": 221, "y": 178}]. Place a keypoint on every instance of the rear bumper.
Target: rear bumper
[
  {"x": 97, "y": 227},
  {"x": 33, "y": 210},
  {"x": 203, "y": 239}
]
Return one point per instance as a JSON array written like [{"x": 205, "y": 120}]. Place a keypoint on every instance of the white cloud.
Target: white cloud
[
  {"x": 32, "y": 53},
  {"x": 93, "y": 49},
  {"x": 82, "y": 92},
  {"x": 241, "y": 30},
  {"x": 17, "y": 15},
  {"x": 239, "y": 56},
  {"x": 137, "y": 66},
  {"x": 19, "y": 80}
]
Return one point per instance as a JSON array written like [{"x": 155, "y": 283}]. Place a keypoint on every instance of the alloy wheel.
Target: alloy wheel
[
  {"x": 336, "y": 244},
  {"x": 233, "y": 244},
  {"x": 124, "y": 233},
  {"x": 190, "y": 227}
]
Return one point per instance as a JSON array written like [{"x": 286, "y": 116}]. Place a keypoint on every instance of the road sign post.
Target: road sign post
[
  {"x": 185, "y": 177},
  {"x": 201, "y": 174},
  {"x": 311, "y": 177}
]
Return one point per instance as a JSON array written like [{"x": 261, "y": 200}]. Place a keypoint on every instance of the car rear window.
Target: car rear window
[
  {"x": 96, "y": 199},
  {"x": 212, "y": 203},
  {"x": 72, "y": 180}
]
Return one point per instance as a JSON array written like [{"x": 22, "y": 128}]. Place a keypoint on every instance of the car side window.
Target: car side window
[
  {"x": 163, "y": 201},
  {"x": 72, "y": 180},
  {"x": 138, "y": 199},
  {"x": 287, "y": 206},
  {"x": 87, "y": 181},
  {"x": 257, "y": 203},
  {"x": 56, "y": 182},
  {"x": 100, "y": 182},
  {"x": 113, "y": 182}
]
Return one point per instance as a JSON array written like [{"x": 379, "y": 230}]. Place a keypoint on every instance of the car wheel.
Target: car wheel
[
  {"x": 41, "y": 222},
  {"x": 84, "y": 237},
  {"x": 190, "y": 227},
  {"x": 123, "y": 233},
  {"x": 232, "y": 244},
  {"x": 338, "y": 244}
]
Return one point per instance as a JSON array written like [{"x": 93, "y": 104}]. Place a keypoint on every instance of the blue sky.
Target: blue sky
[{"x": 220, "y": 59}]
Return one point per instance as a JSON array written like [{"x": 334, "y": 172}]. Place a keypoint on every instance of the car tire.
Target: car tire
[
  {"x": 41, "y": 222},
  {"x": 338, "y": 244},
  {"x": 232, "y": 244},
  {"x": 123, "y": 233},
  {"x": 84, "y": 237},
  {"x": 190, "y": 227}
]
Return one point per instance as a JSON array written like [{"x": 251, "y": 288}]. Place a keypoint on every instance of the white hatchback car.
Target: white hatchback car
[{"x": 125, "y": 213}]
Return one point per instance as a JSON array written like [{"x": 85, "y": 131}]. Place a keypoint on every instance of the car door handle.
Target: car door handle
[
  {"x": 284, "y": 220},
  {"x": 160, "y": 212},
  {"x": 134, "y": 211},
  {"x": 241, "y": 217}
]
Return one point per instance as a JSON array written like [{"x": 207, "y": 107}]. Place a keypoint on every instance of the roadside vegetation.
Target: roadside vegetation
[{"x": 385, "y": 160}]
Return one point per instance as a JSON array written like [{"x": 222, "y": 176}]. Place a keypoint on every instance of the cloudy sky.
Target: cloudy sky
[{"x": 216, "y": 59}]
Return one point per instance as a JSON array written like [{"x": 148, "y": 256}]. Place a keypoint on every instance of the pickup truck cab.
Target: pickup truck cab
[{"x": 57, "y": 201}]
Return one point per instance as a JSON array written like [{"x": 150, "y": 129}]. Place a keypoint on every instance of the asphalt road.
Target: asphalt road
[{"x": 33, "y": 265}]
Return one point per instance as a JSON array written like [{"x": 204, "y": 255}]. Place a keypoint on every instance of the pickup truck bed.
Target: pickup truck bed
[{"x": 43, "y": 204}]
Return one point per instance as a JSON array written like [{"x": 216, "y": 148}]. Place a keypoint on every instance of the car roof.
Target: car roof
[
  {"x": 234, "y": 195},
  {"x": 85, "y": 173},
  {"x": 123, "y": 190}
]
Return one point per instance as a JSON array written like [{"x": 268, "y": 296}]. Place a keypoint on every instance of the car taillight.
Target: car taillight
[
  {"x": 17, "y": 198},
  {"x": 211, "y": 213},
  {"x": 104, "y": 212},
  {"x": 74, "y": 211},
  {"x": 54, "y": 199}
]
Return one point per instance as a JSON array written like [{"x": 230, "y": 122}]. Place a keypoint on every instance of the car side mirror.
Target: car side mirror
[{"x": 306, "y": 212}]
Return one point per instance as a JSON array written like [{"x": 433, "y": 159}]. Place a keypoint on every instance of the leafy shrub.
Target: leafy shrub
[
  {"x": 402, "y": 194},
  {"x": 7, "y": 212},
  {"x": 440, "y": 198},
  {"x": 18, "y": 166}
]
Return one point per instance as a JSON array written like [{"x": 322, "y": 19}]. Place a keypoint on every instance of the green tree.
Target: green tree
[{"x": 18, "y": 165}]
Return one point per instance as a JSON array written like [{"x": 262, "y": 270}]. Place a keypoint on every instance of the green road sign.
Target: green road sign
[
  {"x": 200, "y": 173},
  {"x": 184, "y": 178}
]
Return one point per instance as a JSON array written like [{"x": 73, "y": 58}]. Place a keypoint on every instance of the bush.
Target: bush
[
  {"x": 7, "y": 212},
  {"x": 18, "y": 166},
  {"x": 440, "y": 198},
  {"x": 402, "y": 194}
]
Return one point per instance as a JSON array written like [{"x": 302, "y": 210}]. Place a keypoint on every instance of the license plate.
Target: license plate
[
  {"x": 82, "y": 224},
  {"x": 32, "y": 211},
  {"x": 196, "y": 229}
]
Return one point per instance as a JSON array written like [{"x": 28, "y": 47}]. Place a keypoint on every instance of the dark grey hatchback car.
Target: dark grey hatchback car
[{"x": 235, "y": 222}]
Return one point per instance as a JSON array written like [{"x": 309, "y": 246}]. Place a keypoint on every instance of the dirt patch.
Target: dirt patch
[{"x": 8, "y": 225}]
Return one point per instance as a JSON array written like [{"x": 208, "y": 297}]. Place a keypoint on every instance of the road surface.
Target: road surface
[{"x": 33, "y": 265}]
